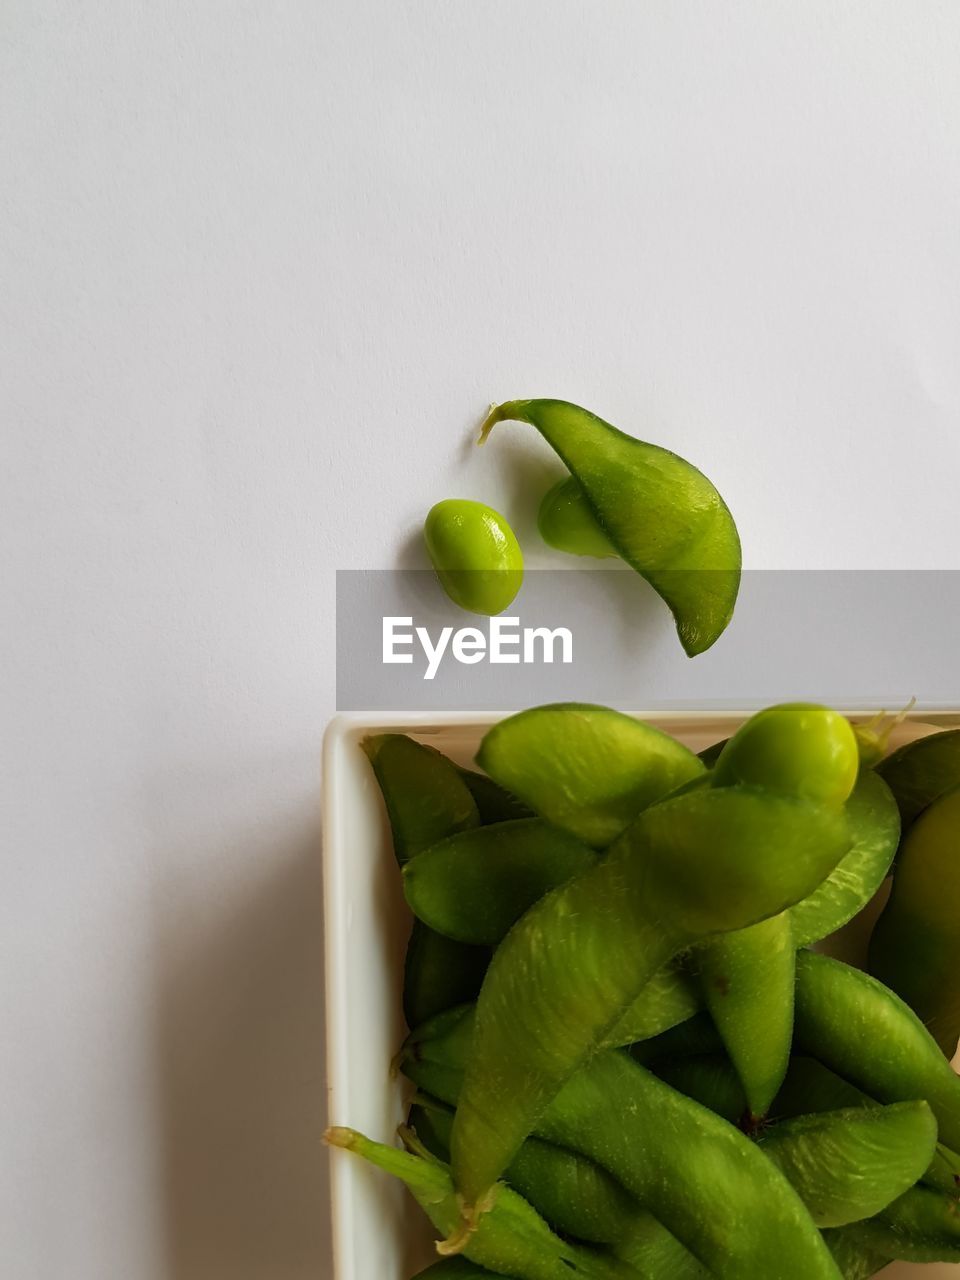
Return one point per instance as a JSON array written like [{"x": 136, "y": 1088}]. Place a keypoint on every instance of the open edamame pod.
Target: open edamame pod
[
  {"x": 702, "y": 862},
  {"x": 662, "y": 515},
  {"x": 587, "y": 769},
  {"x": 920, "y": 772},
  {"x": 474, "y": 885},
  {"x": 869, "y": 1036},
  {"x": 915, "y": 947},
  {"x": 426, "y": 799},
  {"x": 848, "y": 1165}
]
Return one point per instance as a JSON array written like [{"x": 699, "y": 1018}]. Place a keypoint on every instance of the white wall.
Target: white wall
[{"x": 263, "y": 265}]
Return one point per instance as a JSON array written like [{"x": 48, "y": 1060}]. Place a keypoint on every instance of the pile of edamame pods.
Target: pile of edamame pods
[{"x": 628, "y": 1059}]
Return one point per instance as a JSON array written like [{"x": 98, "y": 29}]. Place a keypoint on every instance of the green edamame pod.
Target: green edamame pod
[
  {"x": 512, "y": 1239},
  {"x": 661, "y": 514},
  {"x": 922, "y": 1226},
  {"x": 915, "y": 948},
  {"x": 425, "y": 797},
  {"x": 856, "y": 1260},
  {"x": 865, "y": 1033},
  {"x": 494, "y": 804},
  {"x": 920, "y": 772},
  {"x": 588, "y": 770},
  {"x": 474, "y": 885},
  {"x": 710, "y": 860},
  {"x": 426, "y": 800},
  {"x": 673, "y": 1155},
  {"x": 747, "y": 978},
  {"x": 566, "y": 521},
  {"x": 670, "y": 997},
  {"x": 475, "y": 553},
  {"x": 849, "y": 1165}
]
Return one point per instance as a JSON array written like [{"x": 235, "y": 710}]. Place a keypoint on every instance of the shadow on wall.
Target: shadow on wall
[{"x": 241, "y": 1060}]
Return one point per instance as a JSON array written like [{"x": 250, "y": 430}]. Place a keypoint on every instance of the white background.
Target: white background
[{"x": 263, "y": 266}]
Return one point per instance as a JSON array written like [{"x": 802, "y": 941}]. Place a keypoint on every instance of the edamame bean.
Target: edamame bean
[
  {"x": 849, "y": 1165},
  {"x": 915, "y": 947},
  {"x": 588, "y": 770},
  {"x": 688, "y": 867},
  {"x": 475, "y": 553},
  {"x": 566, "y": 522},
  {"x": 474, "y": 885},
  {"x": 920, "y": 772},
  {"x": 661, "y": 514},
  {"x": 866, "y": 1034},
  {"x": 512, "y": 1239}
]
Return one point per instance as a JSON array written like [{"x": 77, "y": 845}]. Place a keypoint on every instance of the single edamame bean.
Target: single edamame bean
[
  {"x": 661, "y": 514},
  {"x": 426, "y": 800},
  {"x": 869, "y": 1036},
  {"x": 709, "y": 860},
  {"x": 512, "y": 1240},
  {"x": 586, "y": 769},
  {"x": 475, "y": 553},
  {"x": 920, "y": 772},
  {"x": 915, "y": 947},
  {"x": 474, "y": 885},
  {"x": 566, "y": 522}
]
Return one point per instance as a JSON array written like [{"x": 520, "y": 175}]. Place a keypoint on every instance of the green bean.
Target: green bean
[
  {"x": 474, "y": 885},
  {"x": 920, "y": 772},
  {"x": 662, "y": 515},
  {"x": 586, "y": 769},
  {"x": 848, "y": 1165},
  {"x": 426, "y": 800},
  {"x": 867, "y": 1035},
  {"x": 475, "y": 553},
  {"x": 566, "y": 521},
  {"x": 688, "y": 867},
  {"x": 512, "y": 1240},
  {"x": 915, "y": 947}
]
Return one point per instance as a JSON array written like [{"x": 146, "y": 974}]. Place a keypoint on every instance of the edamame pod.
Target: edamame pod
[
  {"x": 747, "y": 977},
  {"x": 673, "y": 1155},
  {"x": 670, "y": 997},
  {"x": 474, "y": 885},
  {"x": 475, "y": 553},
  {"x": 865, "y": 1033},
  {"x": 426, "y": 800},
  {"x": 915, "y": 947},
  {"x": 458, "y": 1268},
  {"x": 856, "y": 1260},
  {"x": 688, "y": 867},
  {"x": 662, "y": 515},
  {"x": 849, "y": 1165},
  {"x": 587, "y": 769},
  {"x": 512, "y": 1240},
  {"x": 920, "y": 772},
  {"x": 709, "y": 1079},
  {"x": 494, "y": 804}
]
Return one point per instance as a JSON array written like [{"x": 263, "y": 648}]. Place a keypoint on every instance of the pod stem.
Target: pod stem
[
  {"x": 470, "y": 1215},
  {"x": 510, "y": 409}
]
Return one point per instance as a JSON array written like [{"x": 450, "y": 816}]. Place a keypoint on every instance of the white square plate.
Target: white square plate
[{"x": 377, "y": 1229}]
